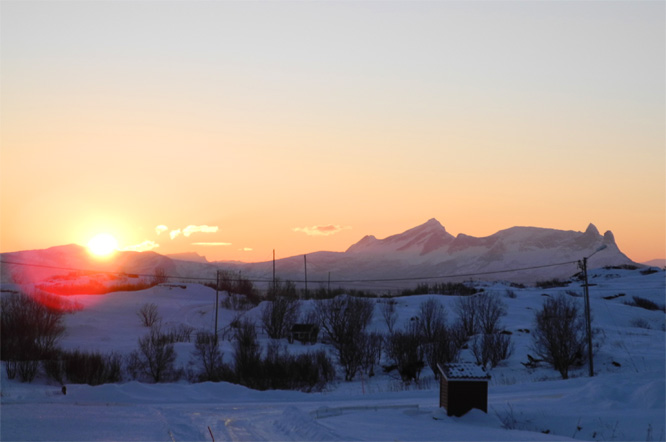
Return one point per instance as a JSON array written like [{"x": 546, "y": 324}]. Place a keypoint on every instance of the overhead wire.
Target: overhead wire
[{"x": 337, "y": 281}]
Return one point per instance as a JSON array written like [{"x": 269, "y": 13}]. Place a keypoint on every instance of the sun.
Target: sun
[{"x": 102, "y": 244}]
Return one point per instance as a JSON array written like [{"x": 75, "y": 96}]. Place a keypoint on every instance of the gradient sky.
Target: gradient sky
[{"x": 303, "y": 126}]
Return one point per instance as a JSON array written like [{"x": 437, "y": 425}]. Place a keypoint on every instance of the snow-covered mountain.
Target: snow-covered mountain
[{"x": 426, "y": 253}]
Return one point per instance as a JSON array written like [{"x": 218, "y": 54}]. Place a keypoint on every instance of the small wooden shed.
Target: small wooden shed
[
  {"x": 305, "y": 333},
  {"x": 463, "y": 386}
]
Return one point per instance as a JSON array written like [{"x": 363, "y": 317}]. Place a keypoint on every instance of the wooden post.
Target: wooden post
[
  {"x": 588, "y": 317},
  {"x": 217, "y": 300},
  {"x": 305, "y": 262}
]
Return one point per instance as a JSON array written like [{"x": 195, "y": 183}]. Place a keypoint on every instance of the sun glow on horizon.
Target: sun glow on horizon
[{"x": 102, "y": 245}]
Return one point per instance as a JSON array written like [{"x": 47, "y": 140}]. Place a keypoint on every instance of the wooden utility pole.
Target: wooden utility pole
[
  {"x": 305, "y": 263},
  {"x": 274, "y": 287},
  {"x": 217, "y": 300},
  {"x": 588, "y": 318}
]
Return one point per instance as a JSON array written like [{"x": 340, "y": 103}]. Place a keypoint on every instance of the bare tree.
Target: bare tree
[
  {"x": 491, "y": 348},
  {"x": 468, "y": 311},
  {"x": 432, "y": 319},
  {"x": 344, "y": 320},
  {"x": 206, "y": 350},
  {"x": 279, "y": 315},
  {"x": 30, "y": 332},
  {"x": 559, "y": 334},
  {"x": 155, "y": 357},
  {"x": 148, "y": 314},
  {"x": 491, "y": 308},
  {"x": 389, "y": 313},
  {"x": 405, "y": 349},
  {"x": 247, "y": 353},
  {"x": 159, "y": 276}
]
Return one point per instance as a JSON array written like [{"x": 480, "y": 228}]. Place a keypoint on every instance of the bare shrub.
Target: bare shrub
[
  {"x": 491, "y": 309},
  {"x": 159, "y": 276},
  {"x": 404, "y": 349},
  {"x": 149, "y": 315},
  {"x": 78, "y": 367},
  {"x": 559, "y": 334},
  {"x": 480, "y": 313},
  {"x": 154, "y": 359},
  {"x": 389, "y": 313},
  {"x": 247, "y": 354},
  {"x": 207, "y": 351},
  {"x": 30, "y": 332},
  {"x": 492, "y": 348},
  {"x": 344, "y": 320},
  {"x": 468, "y": 312},
  {"x": 279, "y": 315}
]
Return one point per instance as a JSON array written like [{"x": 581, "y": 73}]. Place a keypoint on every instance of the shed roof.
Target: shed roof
[{"x": 463, "y": 372}]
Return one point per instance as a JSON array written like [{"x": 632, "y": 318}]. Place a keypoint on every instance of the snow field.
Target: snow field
[{"x": 624, "y": 401}]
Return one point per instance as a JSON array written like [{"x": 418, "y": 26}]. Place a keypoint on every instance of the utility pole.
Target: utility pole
[
  {"x": 305, "y": 263},
  {"x": 274, "y": 287},
  {"x": 588, "y": 320},
  {"x": 588, "y": 317},
  {"x": 217, "y": 300}
]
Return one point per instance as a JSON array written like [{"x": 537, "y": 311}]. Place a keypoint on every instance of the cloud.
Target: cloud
[
  {"x": 174, "y": 233},
  {"x": 187, "y": 231},
  {"x": 245, "y": 249},
  {"x": 142, "y": 247},
  {"x": 211, "y": 243},
  {"x": 161, "y": 228},
  {"x": 330, "y": 229}
]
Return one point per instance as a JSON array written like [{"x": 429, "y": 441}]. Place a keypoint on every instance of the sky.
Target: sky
[{"x": 233, "y": 129}]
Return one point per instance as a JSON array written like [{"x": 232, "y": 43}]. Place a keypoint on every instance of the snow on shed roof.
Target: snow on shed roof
[{"x": 463, "y": 371}]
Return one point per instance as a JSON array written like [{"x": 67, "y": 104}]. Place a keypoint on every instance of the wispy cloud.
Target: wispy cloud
[
  {"x": 187, "y": 231},
  {"x": 330, "y": 229},
  {"x": 213, "y": 244},
  {"x": 161, "y": 228},
  {"x": 245, "y": 249},
  {"x": 142, "y": 247}
]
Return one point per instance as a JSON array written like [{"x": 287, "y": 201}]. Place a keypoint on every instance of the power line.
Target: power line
[{"x": 416, "y": 278}]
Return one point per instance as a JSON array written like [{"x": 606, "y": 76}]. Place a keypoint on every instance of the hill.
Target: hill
[{"x": 623, "y": 401}]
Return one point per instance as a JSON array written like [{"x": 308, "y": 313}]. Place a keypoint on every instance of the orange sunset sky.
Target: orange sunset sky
[{"x": 303, "y": 126}]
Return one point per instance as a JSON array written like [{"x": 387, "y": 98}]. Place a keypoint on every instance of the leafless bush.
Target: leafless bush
[
  {"x": 480, "y": 313},
  {"x": 30, "y": 332},
  {"x": 207, "y": 351},
  {"x": 559, "y": 334},
  {"x": 247, "y": 353},
  {"x": 279, "y": 315},
  {"x": 389, "y": 313},
  {"x": 78, "y": 367},
  {"x": 343, "y": 320},
  {"x": 405, "y": 350},
  {"x": 149, "y": 315},
  {"x": 431, "y": 319},
  {"x": 155, "y": 358},
  {"x": 491, "y": 349},
  {"x": 159, "y": 276}
]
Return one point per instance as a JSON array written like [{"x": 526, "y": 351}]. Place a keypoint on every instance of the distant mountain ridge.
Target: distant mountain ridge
[{"x": 426, "y": 252}]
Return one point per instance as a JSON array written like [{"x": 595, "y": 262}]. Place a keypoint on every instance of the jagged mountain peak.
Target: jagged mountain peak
[
  {"x": 419, "y": 240},
  {"x": 592, "y": 229}
]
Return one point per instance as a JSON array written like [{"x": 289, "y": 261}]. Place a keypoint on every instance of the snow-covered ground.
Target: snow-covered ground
[{"x": 624, "y": 401}]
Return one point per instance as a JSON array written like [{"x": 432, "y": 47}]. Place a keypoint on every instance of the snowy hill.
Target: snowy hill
[{"x": 625, "y": 400}]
